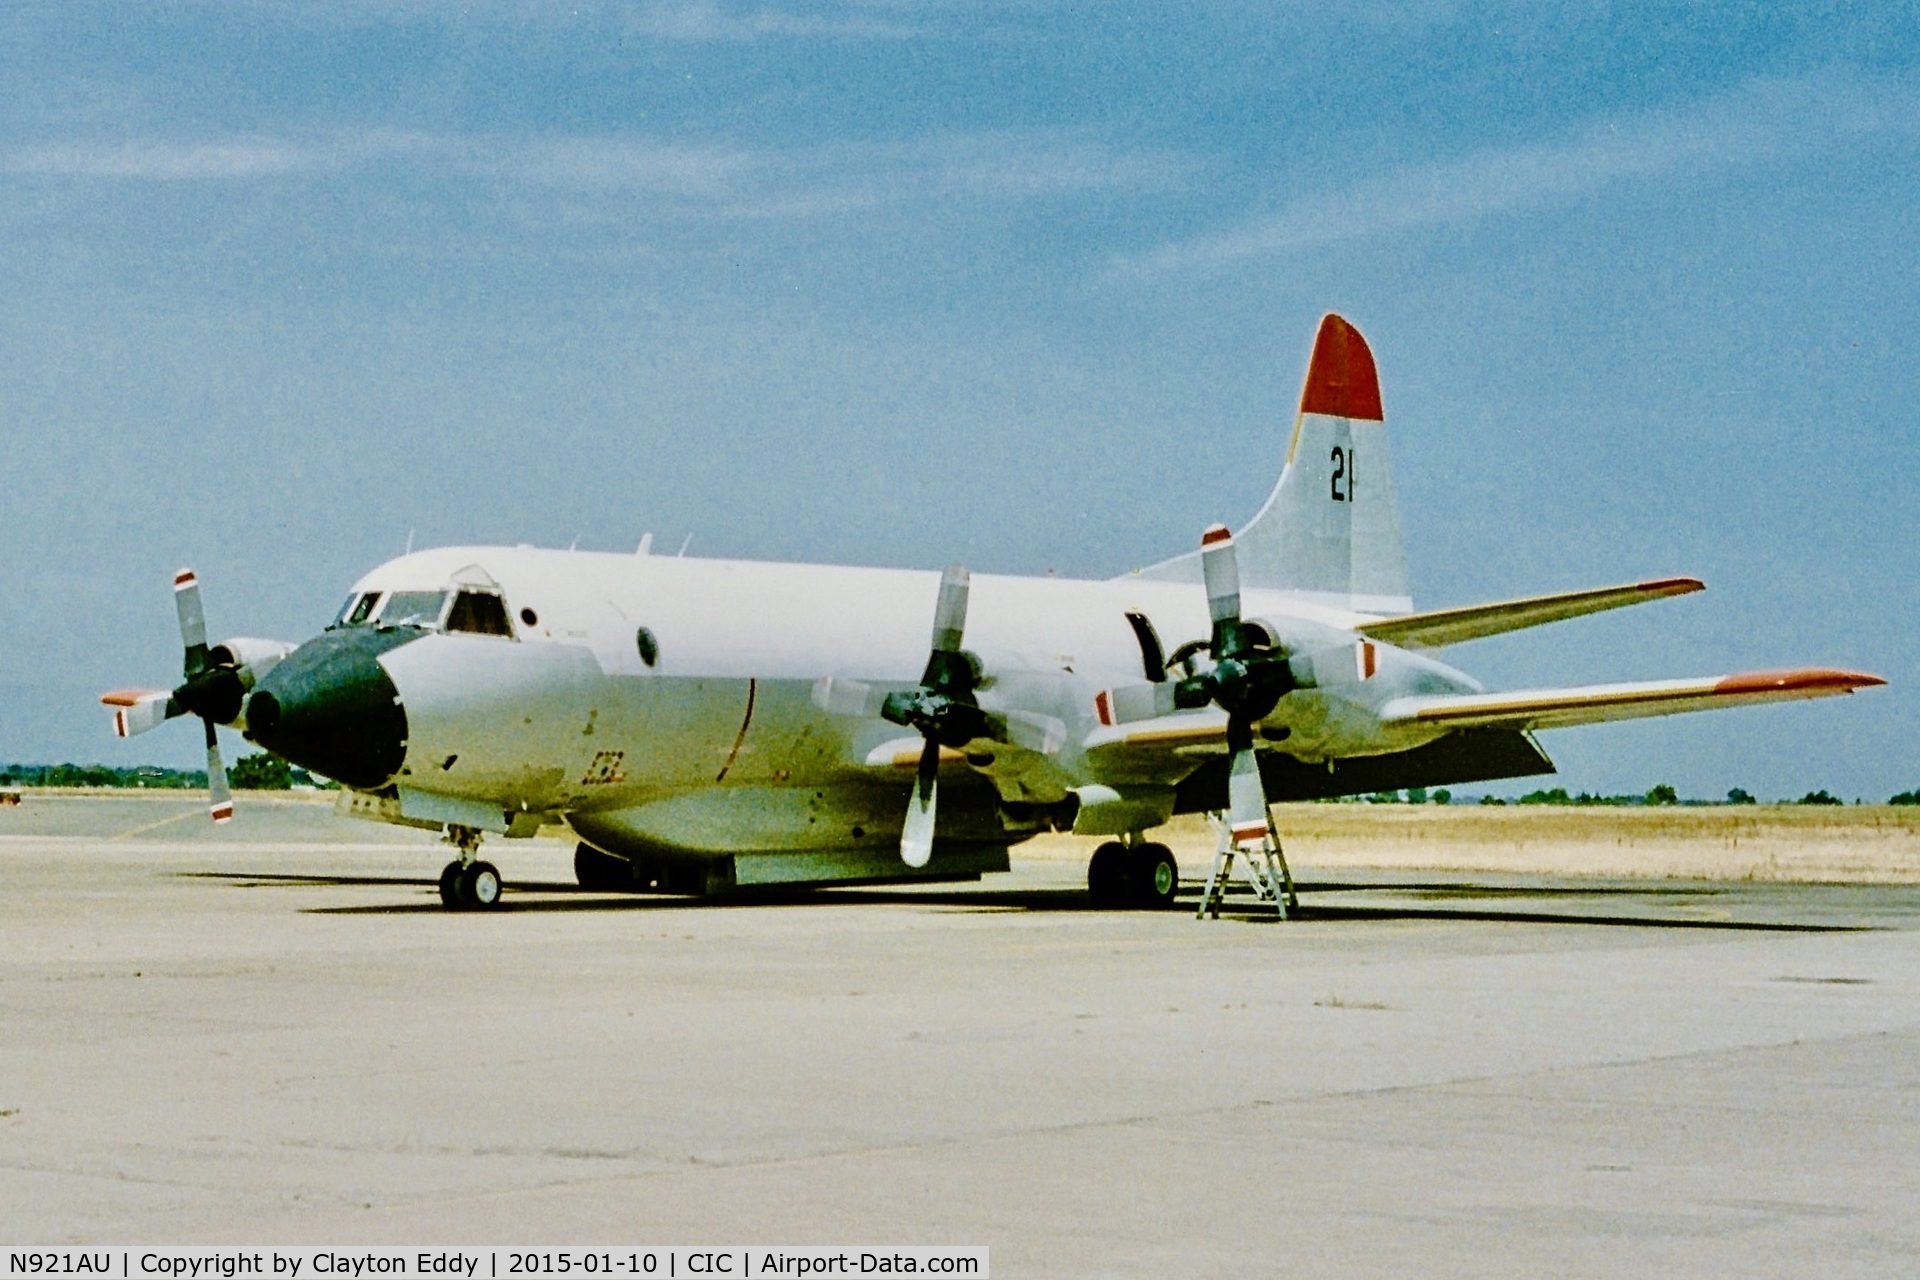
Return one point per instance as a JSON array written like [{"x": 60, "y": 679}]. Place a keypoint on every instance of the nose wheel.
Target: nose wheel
[{"x": 466, "y": 883}]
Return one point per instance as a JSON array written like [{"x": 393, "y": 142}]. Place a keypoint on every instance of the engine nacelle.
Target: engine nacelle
[{"x": 249, "y": 658}]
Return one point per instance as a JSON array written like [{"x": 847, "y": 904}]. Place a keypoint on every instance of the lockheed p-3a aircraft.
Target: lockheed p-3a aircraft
[{"x": 703, "y": 726}]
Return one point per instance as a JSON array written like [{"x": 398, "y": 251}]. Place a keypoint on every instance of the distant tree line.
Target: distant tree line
[
  {"x": 264, "y": 771},
  {"x": 101, "y": 775},
  {"x": 261, "y": 771}
]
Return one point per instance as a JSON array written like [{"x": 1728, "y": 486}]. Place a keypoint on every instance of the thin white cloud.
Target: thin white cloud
[
  {"x": 702, "y": 174},
  {"x": 1770, "y": 121},
  {"x": 161, "y": 160},
  {"x": 705, "y": 20},
  {"x": 626, "y": 176},
  {"x": 702, "y": 21}
]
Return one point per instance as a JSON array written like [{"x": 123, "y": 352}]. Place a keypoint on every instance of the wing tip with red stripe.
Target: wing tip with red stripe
[
  {"x": 1673, "y": 586},
  {"x": 1805, "y": 679}
]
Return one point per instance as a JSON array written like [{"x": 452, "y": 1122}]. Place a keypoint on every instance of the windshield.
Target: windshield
[
  {"x": 356, "y": 610},
  {"x": 413, "y": 609}
]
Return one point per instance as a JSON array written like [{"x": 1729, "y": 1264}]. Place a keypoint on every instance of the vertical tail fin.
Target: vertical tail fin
[{"x": 1331, "y": 528}]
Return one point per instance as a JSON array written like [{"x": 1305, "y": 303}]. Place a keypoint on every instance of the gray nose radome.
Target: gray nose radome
[{"x": 331, "y": 708}]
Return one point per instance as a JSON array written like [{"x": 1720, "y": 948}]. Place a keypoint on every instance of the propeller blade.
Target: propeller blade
[
  {"x": 1131, "y": 702},
  {"x": 1246, "y": 799},
  {"x": 916, "y": 837},
  {"x": 1033, "y": 731},
  {"x": 950, "y": 615},
  {"x": 138, "y": 710},
  {"x": 193, "y": 620},
  {"x": 1221, "y": 569},
  {"x": 219, "y": 796},
  {"x": 841, "y": 697}
]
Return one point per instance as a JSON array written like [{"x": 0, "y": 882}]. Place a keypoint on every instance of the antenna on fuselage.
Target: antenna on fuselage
[
  {"x": 409, "y": 550},
  {"x": 686, "y": 544},
  {"x": 646, "y": 545}
]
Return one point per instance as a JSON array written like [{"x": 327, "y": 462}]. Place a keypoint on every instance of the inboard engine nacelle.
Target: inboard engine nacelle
[{"x": 248, "y": 657}]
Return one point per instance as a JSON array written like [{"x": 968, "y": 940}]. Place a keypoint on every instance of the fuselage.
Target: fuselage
[{"x": 668, "y": 704}]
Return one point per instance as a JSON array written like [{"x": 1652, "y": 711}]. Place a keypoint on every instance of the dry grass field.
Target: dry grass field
[
  {"x": 1806, "y": 844},
  {"x": 1867, "y": 844}
]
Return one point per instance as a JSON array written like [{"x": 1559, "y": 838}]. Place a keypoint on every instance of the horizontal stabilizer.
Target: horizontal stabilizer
[
  {"x": 1451, "y": 626},
  {"x": 1593, "y": 704}
]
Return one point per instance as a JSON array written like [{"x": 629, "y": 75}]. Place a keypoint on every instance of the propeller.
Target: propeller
[
  {"x": 943, "y": 709},
  {"x": 1247, "y": 680},
  {"x": 213, "y": 690}
]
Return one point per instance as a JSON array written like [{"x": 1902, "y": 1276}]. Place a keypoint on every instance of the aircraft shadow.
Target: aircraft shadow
[{"x": 556, "y": 896}]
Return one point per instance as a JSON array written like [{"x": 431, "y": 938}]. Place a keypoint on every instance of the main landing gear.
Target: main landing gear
[
  {"x": 1132, "y": 874},
  {"x": 467, "y": 884}
]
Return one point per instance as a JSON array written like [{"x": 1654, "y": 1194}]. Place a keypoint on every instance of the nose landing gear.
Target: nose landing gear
[{"x": 467, "y": 884}]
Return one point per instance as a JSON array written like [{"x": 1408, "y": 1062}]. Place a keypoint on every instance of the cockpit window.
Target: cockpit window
[
  {"x": 479, "y": 612},
  {"x": 357, "y": 609},
  {"x": 412, "y": 609}
]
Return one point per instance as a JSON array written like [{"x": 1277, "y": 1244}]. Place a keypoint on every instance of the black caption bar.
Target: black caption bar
[{"x": 731, "y": 1262}]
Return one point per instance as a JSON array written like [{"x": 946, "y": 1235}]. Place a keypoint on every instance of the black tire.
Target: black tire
[
  {"x": 597, "y": 870},
  {"x": 1107, "y": 875},
  {"x": 480, "y": 886},
  {"x": 1153, "y": 875},
  {"x": 450, "y": 887}
]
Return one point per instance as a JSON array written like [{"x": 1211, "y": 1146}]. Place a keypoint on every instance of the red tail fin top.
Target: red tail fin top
[{"x": 1341, "y": 382}]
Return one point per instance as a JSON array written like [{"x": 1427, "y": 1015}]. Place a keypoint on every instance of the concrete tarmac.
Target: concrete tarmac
[{"x": 272, "y": 1033}]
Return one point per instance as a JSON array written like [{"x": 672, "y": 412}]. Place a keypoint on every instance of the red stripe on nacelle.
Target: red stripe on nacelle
[{"x": 1341, "y": 381}]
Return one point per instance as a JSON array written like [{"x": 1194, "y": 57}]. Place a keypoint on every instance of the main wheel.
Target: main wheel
[
  {"x": 597, "y": 870},
  {"x": 1107, "y": 875},
  {"x": 1153, "y": 875},
  {"x": 479, "y": 885},
  {"x": 450, "y": 887}
]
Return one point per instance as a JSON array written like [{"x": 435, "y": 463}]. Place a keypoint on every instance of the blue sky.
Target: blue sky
[{"x": 1025, "y": 284}]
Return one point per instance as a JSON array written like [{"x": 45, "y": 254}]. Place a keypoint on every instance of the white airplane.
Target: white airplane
[{"x": 704, "y": 725}]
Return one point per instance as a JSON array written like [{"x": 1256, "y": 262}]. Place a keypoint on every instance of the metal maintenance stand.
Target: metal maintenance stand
[{"x": 1266, "y": 869}]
